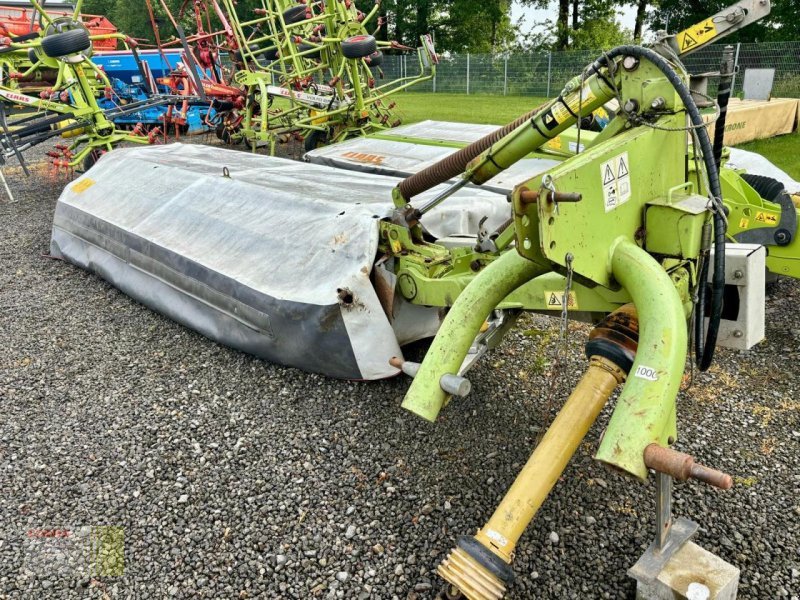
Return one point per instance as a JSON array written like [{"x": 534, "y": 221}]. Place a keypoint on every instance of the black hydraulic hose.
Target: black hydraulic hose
[
  {"x": 723, "y": 95},
  {"x": 704, "y": 352}
]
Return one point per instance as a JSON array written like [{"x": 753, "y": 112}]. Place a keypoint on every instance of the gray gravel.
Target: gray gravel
[{"x": 235, "y": 478}]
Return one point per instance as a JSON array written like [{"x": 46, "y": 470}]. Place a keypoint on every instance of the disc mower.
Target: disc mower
[{"x": 631, "y": 231}]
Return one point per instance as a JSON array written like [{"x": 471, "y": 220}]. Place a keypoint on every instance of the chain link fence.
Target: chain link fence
[{"x": 545, "y": 73}]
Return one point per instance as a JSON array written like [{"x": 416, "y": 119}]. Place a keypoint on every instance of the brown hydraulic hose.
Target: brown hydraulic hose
[{"x": 456, "y": 163}]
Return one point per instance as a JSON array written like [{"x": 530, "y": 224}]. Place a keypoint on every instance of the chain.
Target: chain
[{"x": 561, "y": 357}]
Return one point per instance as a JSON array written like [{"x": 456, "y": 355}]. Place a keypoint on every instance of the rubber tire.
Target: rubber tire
[
  {"x": 91, "y": 159},
  {"x": 64, "y": 44},
  {"x": 768, "y": 188},
  {"x": 359, "y": 46},
  {"x": 33, "y": 57},
  {"x": 295, "y": 14},
  {"x": 375, "y": 59},
  {"x": 304, "y": 47},
  {"x": 315, "y": 139}
]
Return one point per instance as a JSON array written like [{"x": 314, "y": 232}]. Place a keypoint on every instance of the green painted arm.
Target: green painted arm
[
  {"x": 645, "y": 411},
  {"x": 425, "y": 397}
]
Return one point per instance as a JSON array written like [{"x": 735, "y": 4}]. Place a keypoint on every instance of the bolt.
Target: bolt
[
  {"x": 738, "y": 274},
  {"x": 630, "y": 63},
  {"x": 631, "y": 106},
  {"x": 658, "y": 103},
  {"x": 738, "y": 333}
]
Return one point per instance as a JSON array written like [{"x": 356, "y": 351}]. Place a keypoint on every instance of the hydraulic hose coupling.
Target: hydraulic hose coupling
[{"x": 480, "y": 566}]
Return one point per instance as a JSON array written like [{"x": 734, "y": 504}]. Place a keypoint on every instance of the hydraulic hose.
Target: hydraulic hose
[
  {"x": 456, "y": 163},
  {"x": 723, "y": 95},
  {"x": 704, "y": 348}
]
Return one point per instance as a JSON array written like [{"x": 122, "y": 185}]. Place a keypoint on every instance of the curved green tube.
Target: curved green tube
[
  {"x": 645, "y": 411},
  {"x": 425, "y": 397}
]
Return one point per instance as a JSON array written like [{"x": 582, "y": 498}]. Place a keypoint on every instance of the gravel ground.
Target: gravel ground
[{"x": 235, "y": 478}]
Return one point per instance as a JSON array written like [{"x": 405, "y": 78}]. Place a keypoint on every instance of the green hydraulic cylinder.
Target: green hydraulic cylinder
[{"x": 576, "y": 101}]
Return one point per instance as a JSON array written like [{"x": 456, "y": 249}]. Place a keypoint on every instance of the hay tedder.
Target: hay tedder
[
  {"x": 631, "y": 231},
  {"x": 309, "y": 71},
  {"x": 50, "y": 88}
]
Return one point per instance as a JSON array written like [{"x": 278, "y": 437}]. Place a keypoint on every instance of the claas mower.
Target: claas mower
[{"x": 632, "y": 233}]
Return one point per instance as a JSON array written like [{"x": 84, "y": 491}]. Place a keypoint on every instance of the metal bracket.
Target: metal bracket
[{"x": 670, "y": 535}]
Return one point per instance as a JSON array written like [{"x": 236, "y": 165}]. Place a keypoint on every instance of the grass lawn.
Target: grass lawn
[
  {"x": 497, "y": 110},
  {"x": 784, "y": 150}
]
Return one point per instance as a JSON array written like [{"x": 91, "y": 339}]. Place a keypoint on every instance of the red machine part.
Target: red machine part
[{"x": 16, "y": 21}]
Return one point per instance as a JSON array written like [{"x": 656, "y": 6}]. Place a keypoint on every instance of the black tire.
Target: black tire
[
  {"x": 32, "y": 56},
  {"x": 91, "y": 159},
  {"x": 304, "y": 47},
  {"x": 768, "y": 188},
  {"x": 295, "y": 14},
  {"x": 359, "y": 46},
  {"x": 375, "y": 59},
  {"x": 315, "y": 139},
  {"x": 64, "y": 44}
]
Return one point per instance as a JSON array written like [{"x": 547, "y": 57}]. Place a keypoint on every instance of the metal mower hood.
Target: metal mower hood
[{"x": 266, "y": 255}]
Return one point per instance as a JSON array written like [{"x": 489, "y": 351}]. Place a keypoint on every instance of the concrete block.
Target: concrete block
[{"x": 692, "y": 574}]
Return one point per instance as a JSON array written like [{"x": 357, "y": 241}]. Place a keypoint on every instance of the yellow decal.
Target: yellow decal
[
  {"x": 767, "y": 218},
  {"x": 83, "y": 185},
  {"x": 743, "y": 223},
  {"x": 696, "y": 35},
  {"x": 554, "y": 144},
  {"x": 554, "y": 299},
  {"x": 575, "y": 101}
]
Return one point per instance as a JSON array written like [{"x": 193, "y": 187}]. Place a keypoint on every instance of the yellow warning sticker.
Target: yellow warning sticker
[
  {"x": 83, "y": 185},
  {"x": 576, "y": 101},
  {"x": 554, "y": 144},
  {"x": 696, "y": 35},
  {"x": 767, "y": 218},
  {"x": 743, "y": 223},
  {"x": 555, "y": 299}
]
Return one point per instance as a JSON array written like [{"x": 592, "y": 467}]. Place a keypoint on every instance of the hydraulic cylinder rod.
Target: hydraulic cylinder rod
[{"x": 426, "y": 397}]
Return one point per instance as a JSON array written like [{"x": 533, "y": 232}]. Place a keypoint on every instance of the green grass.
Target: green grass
[
  {"x": 495, "y": 110},
  {"x": 784, "y": 150}
]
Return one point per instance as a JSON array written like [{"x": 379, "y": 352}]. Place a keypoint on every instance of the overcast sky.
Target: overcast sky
[{"x": 527, "y": 16}]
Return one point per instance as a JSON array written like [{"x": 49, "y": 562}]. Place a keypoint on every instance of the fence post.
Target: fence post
[
  {"x": 505, "y": 77},
  {"x": 549, "y": 66},
  {"x": 434, "y": 81},
  {"x": 468, "y": 73},
  {"x": 735, "y": 68}
]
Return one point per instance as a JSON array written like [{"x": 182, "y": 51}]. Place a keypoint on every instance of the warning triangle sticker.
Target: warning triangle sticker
[
  {"x": 608, "y": 176},
  {"x": 688, "y": 42},
  {"x": 554, "y": 300},
  {"x": 622, "y": 170}
]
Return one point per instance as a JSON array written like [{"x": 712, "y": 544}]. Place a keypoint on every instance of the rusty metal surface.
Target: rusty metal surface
[{"x": 683, "y": 467}]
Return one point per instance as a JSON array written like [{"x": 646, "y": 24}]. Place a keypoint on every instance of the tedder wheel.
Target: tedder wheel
[
  {"x": 295, "y": 14},
  {"x": 767, "y": 187},
  {"x": 304, "y": 47},
  {"x": 359, "y": 46},
  {"x": 64, "y": 44},
  {"x": 375, "y": 59}
]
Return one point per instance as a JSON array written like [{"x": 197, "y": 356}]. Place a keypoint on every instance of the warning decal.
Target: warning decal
[
  {"x": 83, "y": 185},
  {"x": 767, "y": 218},
  {"x": 696, "y": 35},
  {"x": 554, "y": 299},
  {"x": 550, "y": 121},
  {"x": 616, "y": 177}
]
